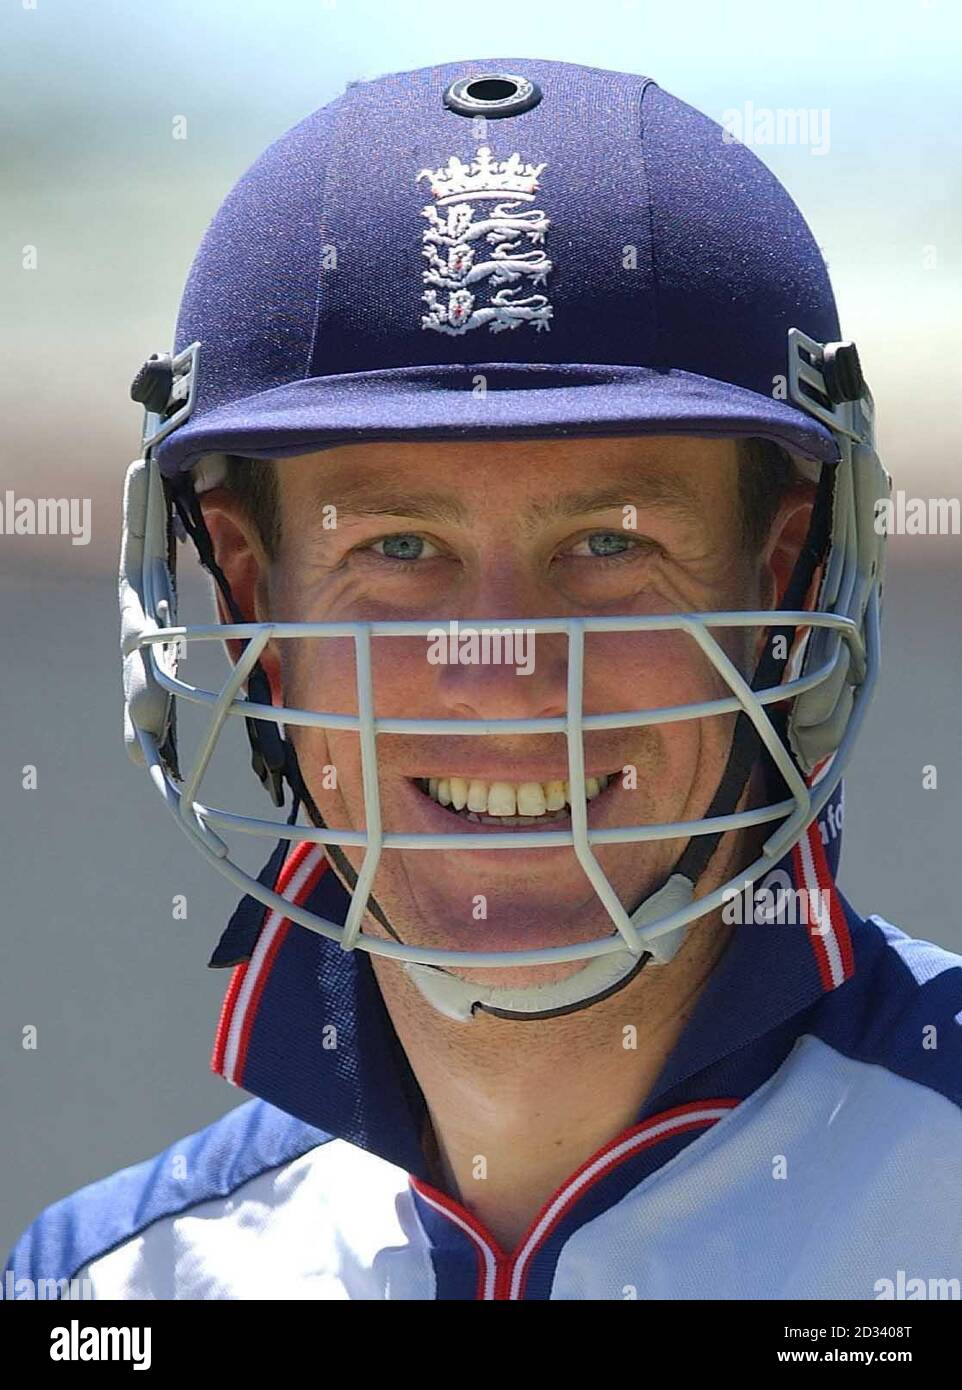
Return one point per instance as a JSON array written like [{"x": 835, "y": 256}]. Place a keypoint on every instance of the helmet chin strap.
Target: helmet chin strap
[
  {"x": 275, "y": 761},
  {"x": 605, "y": 975}
]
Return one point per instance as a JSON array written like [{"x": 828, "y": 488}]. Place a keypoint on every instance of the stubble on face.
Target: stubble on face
[{"x": 493, "y": 565}]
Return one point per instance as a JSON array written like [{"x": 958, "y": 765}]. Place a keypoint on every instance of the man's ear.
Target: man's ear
[
  {"x": 786, "y": 536},
  {"x": 241, "y": 555}
]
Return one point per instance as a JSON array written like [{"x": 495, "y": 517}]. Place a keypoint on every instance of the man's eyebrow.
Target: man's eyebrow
[
  {"x": 377, "y": 497},
  {"x": 374, "y": 497},
  {"x": 660, "y": 492}
]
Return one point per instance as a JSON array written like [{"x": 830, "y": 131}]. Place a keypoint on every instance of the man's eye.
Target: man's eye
[
  {"x": 404, "y": 546},
  {"x": 605, "y": 545}
]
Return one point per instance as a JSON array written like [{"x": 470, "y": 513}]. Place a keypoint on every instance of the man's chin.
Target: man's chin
[
  {"x": 512, "y": 935},
  {"x": 519, "y": 976},
  {"x": 502, "y": 920}
]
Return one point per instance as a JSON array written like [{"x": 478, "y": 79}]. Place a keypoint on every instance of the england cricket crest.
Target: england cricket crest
[{"x": 483, "y": 261}]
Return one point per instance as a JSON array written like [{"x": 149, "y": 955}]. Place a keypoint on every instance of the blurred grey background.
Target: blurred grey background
[{"x": 102, "y": 209}]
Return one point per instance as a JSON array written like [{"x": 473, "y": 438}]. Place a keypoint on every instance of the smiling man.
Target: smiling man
[
  {"x": 506, "y": 532},
  {"x": 546, "y": 990}
]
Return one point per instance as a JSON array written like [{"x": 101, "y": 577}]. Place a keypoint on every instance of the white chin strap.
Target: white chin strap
[{"x": 458, "y": 999}]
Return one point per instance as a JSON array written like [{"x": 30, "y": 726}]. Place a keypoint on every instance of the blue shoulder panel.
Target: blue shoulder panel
[
  {"x": 213, "y": 1162},
  {"x": 901, "y": 1010}
]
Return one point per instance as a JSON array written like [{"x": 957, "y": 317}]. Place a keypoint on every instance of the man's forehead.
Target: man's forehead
[{"x": 550, "y": 478}]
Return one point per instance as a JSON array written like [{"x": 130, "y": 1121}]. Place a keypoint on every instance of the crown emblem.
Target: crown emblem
[
  {"x": 483, "y": 177},
  {"x": 482, "y": 262}
]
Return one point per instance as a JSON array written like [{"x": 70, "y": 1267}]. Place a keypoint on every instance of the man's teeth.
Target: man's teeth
[{"x": 506, "y": 798}]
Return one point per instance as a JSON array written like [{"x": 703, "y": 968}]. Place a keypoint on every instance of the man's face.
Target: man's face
[{"x": 506, "y": 532}]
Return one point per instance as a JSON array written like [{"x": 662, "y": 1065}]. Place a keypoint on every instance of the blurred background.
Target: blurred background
[{"x": 124, "y": 127}]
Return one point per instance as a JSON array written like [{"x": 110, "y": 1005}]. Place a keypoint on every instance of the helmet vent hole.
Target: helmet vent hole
[
  {"x": 492, "y": 95},
  {"x": 492, "y": 89}
]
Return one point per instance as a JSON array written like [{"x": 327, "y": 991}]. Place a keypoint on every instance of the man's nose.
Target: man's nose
[
  {"x": 499, "y": 668},
  {"x": 496, "y": 666},
  {"x": 501, "y": 672}
]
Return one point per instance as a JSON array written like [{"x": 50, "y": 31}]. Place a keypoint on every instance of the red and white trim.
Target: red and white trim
[
  {"x": 821, "y": 770},
  {"x": 829, "y": 933},
  {"x": 504, "y": 1276},
  {"x": 491, "y": 1258},
  {"x": 296, "y": 882}
]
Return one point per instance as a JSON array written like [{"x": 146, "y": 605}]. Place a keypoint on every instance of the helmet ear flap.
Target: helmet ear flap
[
  {"x": 166, "y": 386},
  {"x": 148, "y": 707},
  {"x": 820, "y": 716}
]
